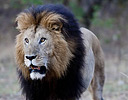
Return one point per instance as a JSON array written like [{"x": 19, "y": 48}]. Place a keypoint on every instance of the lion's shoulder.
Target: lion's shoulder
[{"x": 90, "y": 39}]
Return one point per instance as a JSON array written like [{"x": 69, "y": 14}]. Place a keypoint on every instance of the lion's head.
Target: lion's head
[{"x": 41, "y": 48}]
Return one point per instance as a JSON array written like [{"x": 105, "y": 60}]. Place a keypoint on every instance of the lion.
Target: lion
[{"x": 57, "y": 60}]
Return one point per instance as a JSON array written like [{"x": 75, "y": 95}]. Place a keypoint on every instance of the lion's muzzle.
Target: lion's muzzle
[
  {"x": 37, "y": 68},
  {"x": 31, "y": 57}
]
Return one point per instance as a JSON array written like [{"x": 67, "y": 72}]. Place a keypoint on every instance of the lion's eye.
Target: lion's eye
[
  {"x": 42, "y": 40},
  {"x": 26, "y": 40}
]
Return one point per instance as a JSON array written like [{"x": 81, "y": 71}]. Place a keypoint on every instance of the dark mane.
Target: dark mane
[
  {"x": 69, "y": 85},
  {"x": 71, "y": 27}
]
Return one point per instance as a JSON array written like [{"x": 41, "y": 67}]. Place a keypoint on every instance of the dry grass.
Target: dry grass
[{"x": 116, "y": 86}]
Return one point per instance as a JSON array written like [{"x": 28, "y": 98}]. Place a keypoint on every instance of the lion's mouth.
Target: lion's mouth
[{"x": 38, "y": 69}]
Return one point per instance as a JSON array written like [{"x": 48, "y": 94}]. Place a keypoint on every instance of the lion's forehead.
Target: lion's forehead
[
  {"x": 36, "y": 33},
  {"x": 42, "y": 32},
  {"x": 34, "y": 37}
]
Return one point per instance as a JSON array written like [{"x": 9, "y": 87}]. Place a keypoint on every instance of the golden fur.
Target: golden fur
[
  {"x": 20, "y": 55},
  {"x": 61, "y": 52},
  {"x": 48, "y": 20}
]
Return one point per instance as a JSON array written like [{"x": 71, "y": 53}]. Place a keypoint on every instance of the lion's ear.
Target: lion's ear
[
  {"x": 56, "y": 27},
  {"x": 24, "y": 20},
  {"x": 52, "y": 21}
]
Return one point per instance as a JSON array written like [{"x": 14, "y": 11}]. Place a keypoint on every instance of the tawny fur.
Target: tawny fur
[
  {"x": 91, "y": 41},
  {"x": 62, "y": 51}
]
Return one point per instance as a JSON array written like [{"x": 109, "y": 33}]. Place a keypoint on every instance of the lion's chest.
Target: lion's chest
[{"x": 62, "y": 89}]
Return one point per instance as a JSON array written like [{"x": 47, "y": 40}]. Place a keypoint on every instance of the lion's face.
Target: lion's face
[
  {"x": 41, "y": 50},
  {"x": 38, "y": 49}
]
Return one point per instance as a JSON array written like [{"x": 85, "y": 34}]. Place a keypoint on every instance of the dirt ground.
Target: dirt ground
[{"x": 115, "y": 88}]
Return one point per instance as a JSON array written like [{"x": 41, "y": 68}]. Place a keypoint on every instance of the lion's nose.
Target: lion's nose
[{"x": 30, "y": 57}]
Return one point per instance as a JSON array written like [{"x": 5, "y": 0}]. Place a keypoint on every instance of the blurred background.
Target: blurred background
[{"x": 108, "y": 19}]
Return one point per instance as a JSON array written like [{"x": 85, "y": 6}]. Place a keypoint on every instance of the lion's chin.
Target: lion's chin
[
  {"x": 36, "y": 76},
  {"x": 37, "y": 72}
]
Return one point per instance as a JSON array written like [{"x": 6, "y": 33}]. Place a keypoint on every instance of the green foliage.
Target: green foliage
[
  {"x": 116, "y": 37},
  {"x": 77, "y": 10},
  {"x": 96, "y": 7},
  {"x": 97, "y": 21},
  {"x": 58, "y": 1},
  {"x": 33, "y": 2},
  {"x": 102, "y": 23},
  {"x": 24, "y": 3},
  {"x": 15, "y": 4},
  {"x": 107, "y": 41}
]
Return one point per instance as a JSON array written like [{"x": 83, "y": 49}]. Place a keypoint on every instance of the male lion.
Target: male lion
[{"x": 56, "y": 59}]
